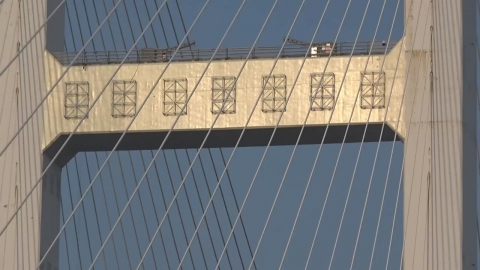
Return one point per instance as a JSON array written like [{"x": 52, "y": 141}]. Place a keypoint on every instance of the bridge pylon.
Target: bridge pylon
[
  {"x": 438, "y": 124},
  {"x": 440, "y": 169}
]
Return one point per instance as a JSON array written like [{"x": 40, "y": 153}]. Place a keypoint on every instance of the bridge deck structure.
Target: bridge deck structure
[
  {"x": 315, "y": 92},
  {"x": 432, "y": 72}
]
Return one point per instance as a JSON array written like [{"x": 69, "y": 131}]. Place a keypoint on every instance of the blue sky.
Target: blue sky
[{"x": 127, "y": 170}]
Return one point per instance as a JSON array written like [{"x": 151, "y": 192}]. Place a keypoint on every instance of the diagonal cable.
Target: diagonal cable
[
  {"x": 31, "y": 39},
  {"x": 81, "y": 120},
  {"x": 164, "y": 201},
  {"x": 135, "y": 229},
  {"x": 377, "y": 151},
  {"x": 155, "y": 209},
  {"x": 191, "y": 211},
  {"x": 323, "y": 208},
  {"x": 223, "y": 105},
  {"x": 177, "y": 205},
  {"x": 228, "y": 213},
  {"x": 83, "y": 209},
  {"x": 311, "y": 174},
  {"x": 389, "y": 166},
  {"x": 296, "y": 145},
  {"x": 399, "y": 188},
  {"x": 360, "y": 150},
  {"x": 240, "y": 139},
  {"x": 201, "y": 205},
  {"x": 74, "y": 219},
  {"x": 131, "y": 122},
  {"x": 110, "y": 174},
  {"x": 22, "y": 126},
  {"x": 107, "y": 211},
  {"x": 236, "y": 204}
]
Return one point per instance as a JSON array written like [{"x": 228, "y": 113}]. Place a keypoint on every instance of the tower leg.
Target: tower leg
[
  {"x": 440, "y": 148},
  {"x": 21, "y": 89}
]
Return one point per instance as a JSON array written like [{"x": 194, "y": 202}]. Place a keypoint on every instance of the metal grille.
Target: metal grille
[
  {"x": 124, "y": 98},
  {"x": 373, "y": 90},
  {"x": 274, "y": 93},
  {"x": 174, "y": 96},
  {"x": 76, "y": 100},
  {"x": 223, "y": 95},
  {"x": 322, "y": 91}
]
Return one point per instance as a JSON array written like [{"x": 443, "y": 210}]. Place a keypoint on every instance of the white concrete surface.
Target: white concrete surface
[
  {"x": 22, "y": 86},
  {"x": 440, "y": 159},
  {"x": 249, "y": 86}
]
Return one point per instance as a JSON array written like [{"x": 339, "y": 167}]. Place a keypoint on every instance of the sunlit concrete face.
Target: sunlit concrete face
[
  {"x": 248, "y": 88},
  {"x": 30, "y": 233}
]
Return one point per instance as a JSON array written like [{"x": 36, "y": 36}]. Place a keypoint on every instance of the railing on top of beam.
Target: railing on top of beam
[{"x": 154, "y": 55}]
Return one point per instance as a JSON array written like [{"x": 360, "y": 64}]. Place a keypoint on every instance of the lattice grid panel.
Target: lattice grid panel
[
  {"x": 223, "y": 95},
  {"x": 373, "y": 90},
  {"x": 274, "y": 93},
  {"x": 124, "y": 98},
  {"x": 174, "y": 96},
  {"x": 322, "y": 91},
  {"x": 77, "y": 100}
]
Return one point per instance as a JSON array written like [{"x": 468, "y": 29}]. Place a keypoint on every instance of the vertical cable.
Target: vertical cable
[
  {"x": 173, "y": 25},
  {"x": 70, "y": 26},
  {"x": 89, "y": 27},
  {"x": 98, "y": 23},
  {"x": 155, "y": 209},
  {"x": 165, "y": 206},
  {"x": 236, "y": 204},
  {"x": 65, "y": 235},
  {"x": 141, "y": 206},
  {"x": 111, "y": 29},
  {"x": 130, "y": 23},
  {"x": 108, "y": 212},
  {"x": 109, "y": 169},
  {"x": 94, "y": 203},
  {"x": 214, "y": 210},
  {"x": 361, "y": 147},
  {"x": 20, "y": 51},
  {"x": 389, "y": 167},
  {"x": 201, "y": 206},
  {"x": 69, "y": 137},
  {"x": 216, "y": 188},
  {"x": 79, "y": 24},
  {"x": 124, "y": 182},
  {"x": 161, "y": 25},
  {"x": 140, "y": 23},
  {"x": 83, "y": 209},
  {"x": 226, "y": 208},
  {"x": 176, "y": 204},
  {"x": 74, "y": 219},
  {"x": 129, "y": 125},
  {"x": 23, "y": 125},
  {"x": 183, "y": 22},
  {"x": 149, "y": 17}
]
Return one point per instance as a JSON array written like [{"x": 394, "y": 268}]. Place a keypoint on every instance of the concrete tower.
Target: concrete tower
[{"x": 438, "y": 124}]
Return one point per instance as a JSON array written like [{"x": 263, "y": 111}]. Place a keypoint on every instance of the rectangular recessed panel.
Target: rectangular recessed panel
[
  {"x": 223, "y": 95},
  {"x": 322, "y": 91},
  {"x": 77, "y": 100},
  {"x": 373, "y": 90},
  {"x": 174, "y": 96},
  {"x": 274, "y": 93},
  {"x": 124, "y": 98}
]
